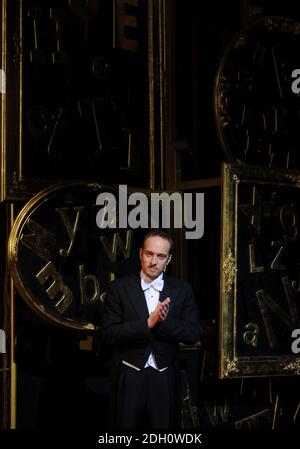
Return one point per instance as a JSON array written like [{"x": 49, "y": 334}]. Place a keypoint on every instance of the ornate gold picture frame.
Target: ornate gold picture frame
[
  {"x": 260, "y": 272},
  {"x": 81, "y": 86}
]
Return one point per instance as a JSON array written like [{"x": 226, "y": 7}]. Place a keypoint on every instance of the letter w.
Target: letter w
[{"x": 117, "y": 242}]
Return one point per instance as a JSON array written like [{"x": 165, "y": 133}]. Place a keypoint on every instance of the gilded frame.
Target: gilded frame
[
  {"x": 14, "y": 184},
  {"x": 234, "y": 361}
]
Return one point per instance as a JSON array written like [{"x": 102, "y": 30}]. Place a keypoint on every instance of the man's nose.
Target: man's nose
[{"x": 154, "y": 260}]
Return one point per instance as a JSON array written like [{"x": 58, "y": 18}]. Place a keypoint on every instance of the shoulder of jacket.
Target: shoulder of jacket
[
  {"x": 125, "y": 280},
  {"x": 179, "y": 283}
]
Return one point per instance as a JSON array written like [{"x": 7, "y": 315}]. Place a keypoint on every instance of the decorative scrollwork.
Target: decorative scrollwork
[
  {"x": 293, "y": 366},
  {"x": 231, "y": 366},
  {"x": 229, "y": 271}
]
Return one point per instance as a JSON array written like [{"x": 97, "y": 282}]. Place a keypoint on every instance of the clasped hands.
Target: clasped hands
[{"x": 160, "y": 313}]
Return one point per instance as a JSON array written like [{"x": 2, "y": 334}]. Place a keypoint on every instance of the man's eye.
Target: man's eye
[{"x": 161, "y": 257}]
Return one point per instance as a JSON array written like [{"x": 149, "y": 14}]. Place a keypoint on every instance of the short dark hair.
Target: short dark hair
[{"x": 159, "y": 233}]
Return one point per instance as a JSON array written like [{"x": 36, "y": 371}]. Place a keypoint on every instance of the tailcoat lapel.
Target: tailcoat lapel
[{"x": 137, "y": 297}]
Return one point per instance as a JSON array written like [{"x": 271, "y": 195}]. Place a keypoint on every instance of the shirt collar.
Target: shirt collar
[{"x": 157, "y": 283}]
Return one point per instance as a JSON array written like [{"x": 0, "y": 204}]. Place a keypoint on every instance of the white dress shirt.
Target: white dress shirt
[{"x": 151, "y": 291}]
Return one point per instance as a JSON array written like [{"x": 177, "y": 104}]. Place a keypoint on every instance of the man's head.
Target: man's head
[{"x": 156, "y": 253}]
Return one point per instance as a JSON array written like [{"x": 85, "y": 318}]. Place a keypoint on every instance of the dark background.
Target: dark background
[{"x": 59, "y": 384}]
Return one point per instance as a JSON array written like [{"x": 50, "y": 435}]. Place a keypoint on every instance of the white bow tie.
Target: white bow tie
[{"x": 156, "y": 284}]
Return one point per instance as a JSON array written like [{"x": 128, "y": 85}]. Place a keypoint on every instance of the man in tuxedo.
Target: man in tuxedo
[{"x": 145, "y": 317}]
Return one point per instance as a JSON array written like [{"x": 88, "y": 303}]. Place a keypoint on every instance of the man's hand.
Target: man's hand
[
  {"x": 160, "y": 313},
  {"x": 164, "y": 309}
]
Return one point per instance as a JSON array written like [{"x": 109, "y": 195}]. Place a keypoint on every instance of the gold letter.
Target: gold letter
[
  {"x": 282, "y": 248},
  {"x": 117, "y": 241},
  {"x": 83, "y": 279},
  {"x": 253, "y": 267},
  {"x": 251, "y": 335},
  {"x": 39, "y": 241},
  {"x": 57, "y": 286},
  {"x": 71, "y": 230},
  {"x": 265, "y": 302},
  {"x": 124, "y": 21}
]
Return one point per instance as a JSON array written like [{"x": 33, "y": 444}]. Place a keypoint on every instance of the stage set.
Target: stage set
[{"x": 118, "y": 116}]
